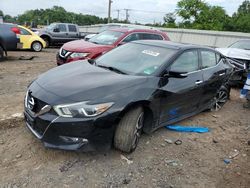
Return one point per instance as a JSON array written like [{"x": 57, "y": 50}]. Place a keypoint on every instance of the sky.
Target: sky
[{"x": 144, "y": 11}]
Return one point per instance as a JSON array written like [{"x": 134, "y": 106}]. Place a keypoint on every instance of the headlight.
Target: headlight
[
  {"x": 82, "y": 109},
  {"x": 80, "y": 55}
]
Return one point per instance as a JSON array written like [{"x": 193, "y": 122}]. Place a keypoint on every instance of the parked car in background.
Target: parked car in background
[
  {"x": 239, "y": 54},
  {"x": 140, "y": 86},
  {"x": 30, "y": 40},
  {"x": 104, "y": 42},
  {"x": 59, "y": 33},
  {"x": 9, "y": 39},
  {"x": 104, "y": 27}
]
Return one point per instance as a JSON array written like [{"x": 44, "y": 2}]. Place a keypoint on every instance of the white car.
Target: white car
[{"x": 239, "y": 53}]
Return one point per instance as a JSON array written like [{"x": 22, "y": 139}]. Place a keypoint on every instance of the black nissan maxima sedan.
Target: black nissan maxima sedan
[{"x": 137, "y": 87}]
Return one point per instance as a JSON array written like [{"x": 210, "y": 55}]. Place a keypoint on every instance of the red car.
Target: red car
[{"x": 104, "y": 42}]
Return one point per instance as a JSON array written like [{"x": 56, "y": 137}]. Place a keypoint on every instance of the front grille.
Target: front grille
[
  {"x": 33, "y": 104},
  {"x": 63, "y": 53}
]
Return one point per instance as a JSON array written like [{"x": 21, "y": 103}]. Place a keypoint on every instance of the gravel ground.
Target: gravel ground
[{"x": 197, "y": 162}]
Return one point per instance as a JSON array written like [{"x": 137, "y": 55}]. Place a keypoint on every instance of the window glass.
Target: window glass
[
  {"x": 208, "y": 59},
  {"x": 106, "y": 37},
  {"x": 62, "y": 28},
  {"x": 186, "y": 62},
  {"x": 132, "y": 37},
  {"x": 148, "y": 36},
  {"x": 72, "y": 28},
  {"x": 24, "y": 31},
  {"x": 136, "y": 59}
]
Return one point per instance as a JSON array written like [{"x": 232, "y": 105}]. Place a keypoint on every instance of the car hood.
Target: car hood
[
  {"x": 235, "y": 53},
  {"x": 85, "y": 46},
  {"x": 81, "y": 81}
]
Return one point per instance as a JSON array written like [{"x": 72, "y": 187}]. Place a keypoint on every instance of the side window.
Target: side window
[
  {"x": 24, "y": 31},
  {"x": 186, "y": 62},
  {"x": 208, "y": 59},
  {"x": 149, "y": 36},
  {"x": 131, "y": 37},
  {"x": 62, "y": 28},
  {"x": 72, "y": 28}
]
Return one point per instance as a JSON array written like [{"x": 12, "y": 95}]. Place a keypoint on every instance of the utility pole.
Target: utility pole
[
  {"x": 127, "y": 14},
  {"x": 118, "y": 14},
  {"x": 109, "y": 11}
]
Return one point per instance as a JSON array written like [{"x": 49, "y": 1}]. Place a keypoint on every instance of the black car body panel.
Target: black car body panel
[
  {"x": 167, "y": 99},
  {"x": 8, "y": 39}
]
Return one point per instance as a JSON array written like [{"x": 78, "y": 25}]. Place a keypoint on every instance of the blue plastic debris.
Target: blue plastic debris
[
  {"x": 180, "y": 128},
  {"x": 227, "y": 161}
]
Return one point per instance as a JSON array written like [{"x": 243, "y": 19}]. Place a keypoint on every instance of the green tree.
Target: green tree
[
  {"x": 198, "y": 14},
  {"x": 241, "y": 19},
  {"x": 189, "y": 10},
  {"x": 169, "y": 20}
]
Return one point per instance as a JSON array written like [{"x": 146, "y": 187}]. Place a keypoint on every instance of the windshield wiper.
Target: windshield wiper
[{"x": 112, "y": 69}]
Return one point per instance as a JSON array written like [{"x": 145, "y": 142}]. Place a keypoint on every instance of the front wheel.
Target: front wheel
[
  {"x": 128, "y": 130},
  {"x": 36, "y": 46},
  {"x": 220, "y": 99}
]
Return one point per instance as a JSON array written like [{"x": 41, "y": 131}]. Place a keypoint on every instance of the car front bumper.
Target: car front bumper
[{"x": 72, "y": 133}]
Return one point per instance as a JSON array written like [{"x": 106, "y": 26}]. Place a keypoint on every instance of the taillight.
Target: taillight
[{"x": 15, "y": 30}]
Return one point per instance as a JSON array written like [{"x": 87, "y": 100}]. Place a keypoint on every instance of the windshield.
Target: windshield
[
  {"x": 106, "y": 37},
  {"x": 136, "y": 59},
  {"x": 51, "y": 26},
  {"x": 241, "y": 45}
]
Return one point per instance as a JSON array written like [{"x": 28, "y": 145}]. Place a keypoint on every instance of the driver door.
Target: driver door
[
  {"x": 61, "y": 35},
  {"x": 181, "y": 96}
]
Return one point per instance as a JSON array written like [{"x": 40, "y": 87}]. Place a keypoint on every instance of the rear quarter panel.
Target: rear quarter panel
[{"x": 8, "y": 38}]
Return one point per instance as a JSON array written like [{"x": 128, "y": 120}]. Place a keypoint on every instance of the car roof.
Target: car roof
[
  {"x": 170, "y": 44},
  {"x": 131, "y": 29}
]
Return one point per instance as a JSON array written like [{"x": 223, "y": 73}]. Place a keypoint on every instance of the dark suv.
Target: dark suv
[
  {"x": 104, "y": 42},
  {"x": 9, "y": 39}
]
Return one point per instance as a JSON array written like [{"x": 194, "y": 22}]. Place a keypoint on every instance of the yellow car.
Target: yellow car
[{"x": 30, "y": 40}]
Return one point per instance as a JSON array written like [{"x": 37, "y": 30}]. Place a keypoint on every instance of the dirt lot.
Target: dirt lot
[{"x": 197, "y": 162}]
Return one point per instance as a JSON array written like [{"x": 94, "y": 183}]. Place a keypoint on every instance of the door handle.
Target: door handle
[
  {"x": 222, "y": 74},
  {"x": 198, "y": 82}
]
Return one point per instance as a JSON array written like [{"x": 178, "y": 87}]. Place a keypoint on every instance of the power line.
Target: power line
[
  {"x": 148, "y": 11},
  {"x": 127, "y": 14},
  {"x": 109, "y": 11},
  {"x": 118, "y": 14}
]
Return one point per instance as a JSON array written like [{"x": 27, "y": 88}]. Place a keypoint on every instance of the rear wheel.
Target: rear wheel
[
  {"x": 220, "y": 99},
  {"x": 36, "y": 46},
  {"x": 1, "y": 54},
  {"x": 129, "y": 129}
]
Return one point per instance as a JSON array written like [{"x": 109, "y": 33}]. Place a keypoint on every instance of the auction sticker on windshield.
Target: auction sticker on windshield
[{"x": 152, "y": 53}]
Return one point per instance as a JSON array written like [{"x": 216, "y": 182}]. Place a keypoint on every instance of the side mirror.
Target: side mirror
[
  {"x": 175, "y": 74},
  {"x": 56, "y": 30},
  {"x": 121, "y": 43}
]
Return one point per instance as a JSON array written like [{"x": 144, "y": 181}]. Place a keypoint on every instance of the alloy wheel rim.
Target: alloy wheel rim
[
  {"x": 138, "y": 130},
  {"x": 220, "y": 100},
  {"x": 37, "y": 46}
]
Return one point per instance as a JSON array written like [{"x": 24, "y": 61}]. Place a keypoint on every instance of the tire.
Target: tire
[
  {"x": 1, "y": 54},
  {"x": 128, "y": 130},
  {"x": 47, "y": 41},
  {"x": 37, "y": 46},
  {"x": 221, "y": 98}
]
